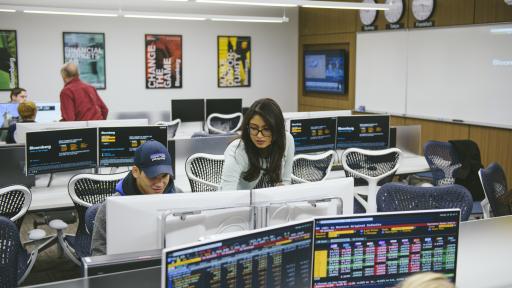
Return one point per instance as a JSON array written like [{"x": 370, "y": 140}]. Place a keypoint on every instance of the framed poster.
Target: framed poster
[
  {"x": 87, "y": 50},
  {"x": 8, "y": 60},
  {"x": 164, "y": 64},
  {"x": 234, "y": 61}
]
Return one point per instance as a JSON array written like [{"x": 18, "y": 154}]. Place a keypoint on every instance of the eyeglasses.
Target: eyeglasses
[{"x": 254, "y": 131}]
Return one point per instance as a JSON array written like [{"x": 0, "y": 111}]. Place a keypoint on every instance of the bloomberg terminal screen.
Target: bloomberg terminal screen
[
  {"x": 117, "y": 145},
  {"x": 312, "y": 135},
  {"x": 279, "y": 257},
  {"x": 367, "y": 132},
  {"x": 382, "y": 250},
  {"x": 61, "y": 150}
]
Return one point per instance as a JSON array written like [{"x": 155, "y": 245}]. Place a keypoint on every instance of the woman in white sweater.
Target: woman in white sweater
[{"x": 263, "y": 157}]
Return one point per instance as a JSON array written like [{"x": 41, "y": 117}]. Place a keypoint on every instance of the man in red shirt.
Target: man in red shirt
[{"x": 79, "y": 101}]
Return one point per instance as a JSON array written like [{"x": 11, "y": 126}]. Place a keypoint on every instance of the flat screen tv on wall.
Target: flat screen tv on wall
[{"x": 325, "y": 71}]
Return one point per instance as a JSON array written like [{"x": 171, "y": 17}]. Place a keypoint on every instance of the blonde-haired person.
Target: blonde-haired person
[
  {"x": 28, "y": 112},
  {"x": 426, "y": 280}
]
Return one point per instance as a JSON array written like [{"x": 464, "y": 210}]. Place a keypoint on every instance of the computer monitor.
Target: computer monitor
[
  {"x": 223, "y": 106},
  {"x": 380, "y": 250},
  {"x": 188, "y": 110},
  {"x": 48, "y": 112},
  {"x": 61, "y": 150},
  {"x": 313, "y": 135},
  {"x": 302, "y": 201},
  {"x": 365, "y": 131},
  {"x": 144, "y": 216},
  {"x": 272, "y": 257},
  {"x": 117, "y": 145},
  {"x": 8, "y": 114}
]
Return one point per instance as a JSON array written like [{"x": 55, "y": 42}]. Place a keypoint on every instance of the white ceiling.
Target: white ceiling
[{"x": 151, "y": 6}]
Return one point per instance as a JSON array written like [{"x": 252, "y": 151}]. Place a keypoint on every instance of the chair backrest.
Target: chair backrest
[
  {"x": 400, "y": 197},
  {"x": 10, "y": 246},
  {"x": 172, "y": 127},
  {"x": 496, "y": 191},
  {"x": 14, "y": 202},
  {"x": 224, "y": 123},
  {"x": 370, "y": 165},
  {"x": 88, "y": 189},
  {"x": 204, "y": 171},
  {"x": 312, "y": 168},
  {"x": 443, "y": 161},
  {"x": 90, "y": 215}
]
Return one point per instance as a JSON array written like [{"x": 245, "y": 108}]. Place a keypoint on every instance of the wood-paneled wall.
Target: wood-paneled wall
[{"x": 337, "y": 28}]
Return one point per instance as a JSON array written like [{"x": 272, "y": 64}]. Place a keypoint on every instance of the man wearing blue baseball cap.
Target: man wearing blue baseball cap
[{"x": 151, "y": 174}]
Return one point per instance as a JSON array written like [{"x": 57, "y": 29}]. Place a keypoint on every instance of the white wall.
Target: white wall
[{"x": 40, "y": 53}]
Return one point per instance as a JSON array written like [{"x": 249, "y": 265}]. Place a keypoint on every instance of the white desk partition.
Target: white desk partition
[
  {"x": 23, "y": 128},
  {"x": 484, "y": 253},
  {"x": 134, "y": 223},
  {"x": 118, "y": 123},
  {"x": 284, "y": 202},
  {"x": 192, "y": 226}
]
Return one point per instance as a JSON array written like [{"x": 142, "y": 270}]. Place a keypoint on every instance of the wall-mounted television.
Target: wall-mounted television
[{"x": 325, "y": 71}]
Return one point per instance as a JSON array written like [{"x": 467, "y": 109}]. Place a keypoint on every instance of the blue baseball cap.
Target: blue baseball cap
[{"x": 153, "y": 158}]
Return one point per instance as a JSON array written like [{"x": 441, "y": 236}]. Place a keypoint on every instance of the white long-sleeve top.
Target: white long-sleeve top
[{"x": 236, "y": 163}]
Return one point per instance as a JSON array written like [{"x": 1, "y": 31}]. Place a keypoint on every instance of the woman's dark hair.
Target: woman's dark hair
[{"x": 271, "y": 113}]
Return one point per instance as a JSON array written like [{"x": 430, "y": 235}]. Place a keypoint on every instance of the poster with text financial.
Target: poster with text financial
[
  {"x": 8, "y": 60},
  {"x": 87, "y": 50},
  {"x": 163, "y": 61},
  {"x": 234, "y": 61}
]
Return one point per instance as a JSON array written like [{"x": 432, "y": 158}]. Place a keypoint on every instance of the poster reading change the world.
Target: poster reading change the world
[
  {"x": 8, "y": 60},
  {"x": 163, "y": 61},
  {"x": 234, "y": 61},
  {"x": 87, "y": 50}
]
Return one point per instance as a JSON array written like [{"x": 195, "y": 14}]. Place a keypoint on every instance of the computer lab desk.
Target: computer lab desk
[{"x": 56, "y": 196}]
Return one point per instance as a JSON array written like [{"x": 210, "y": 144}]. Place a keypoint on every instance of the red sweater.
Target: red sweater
[{"x": 79, "y": 101}]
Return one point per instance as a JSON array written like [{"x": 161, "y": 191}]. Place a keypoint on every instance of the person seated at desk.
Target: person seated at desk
[
  {"x": 151, "y": 174},
  {"x": 28, "y": 112},
  {"x": 426, "y": 280},
  {"x": 263, "y": 157}
]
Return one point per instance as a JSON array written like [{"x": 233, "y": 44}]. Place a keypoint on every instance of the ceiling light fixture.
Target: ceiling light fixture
[
  {"x": 251, "y": 19},
  {"x": 302, "y": 3},
  {"x": 8, "y": 10},
  {"x": 72, "y": 12},
  {"x": 165, "y": 17},
  {"x": 270, "y": 3}
]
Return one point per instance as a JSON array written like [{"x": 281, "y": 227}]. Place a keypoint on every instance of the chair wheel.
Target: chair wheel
[{"x": 36, "y": 234}]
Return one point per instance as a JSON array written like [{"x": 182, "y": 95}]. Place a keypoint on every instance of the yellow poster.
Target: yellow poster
[{"x": 234, "y": 61}]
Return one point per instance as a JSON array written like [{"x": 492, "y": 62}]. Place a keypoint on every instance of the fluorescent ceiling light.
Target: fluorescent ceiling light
[
  {"x": 71, "y": 12},
  {"x": 272, "y": 3},
  {"x": 167, "y": 17},
  {"x": 343, "y": 5},
  {"x": 251, "y": 19},
  {"x": 7, "y": 10},
  {"x": 501, "y": 30}
]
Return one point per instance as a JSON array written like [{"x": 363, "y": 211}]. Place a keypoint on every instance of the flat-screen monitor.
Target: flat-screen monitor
[
  {"x": 117, "y": 145},
  {"x": 366, "y": 132},
  {"x": 380, "y": 250},
  {"x": 313, "y": 135},
  {"x": 48, "y": 112},
  {"x": 188, "y": 110},
  {"x": 61, "y": 150},
  {"x": 8, "y": 114},
  {"x": 223, "y": 106},
  {"x": 325, "y": 71},
  {"x": 271, "y": 257}
]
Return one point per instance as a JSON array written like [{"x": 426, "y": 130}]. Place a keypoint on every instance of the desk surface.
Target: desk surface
[
  {"x": 148, "y": 277},
  {"x": 56, "y": 196}
]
